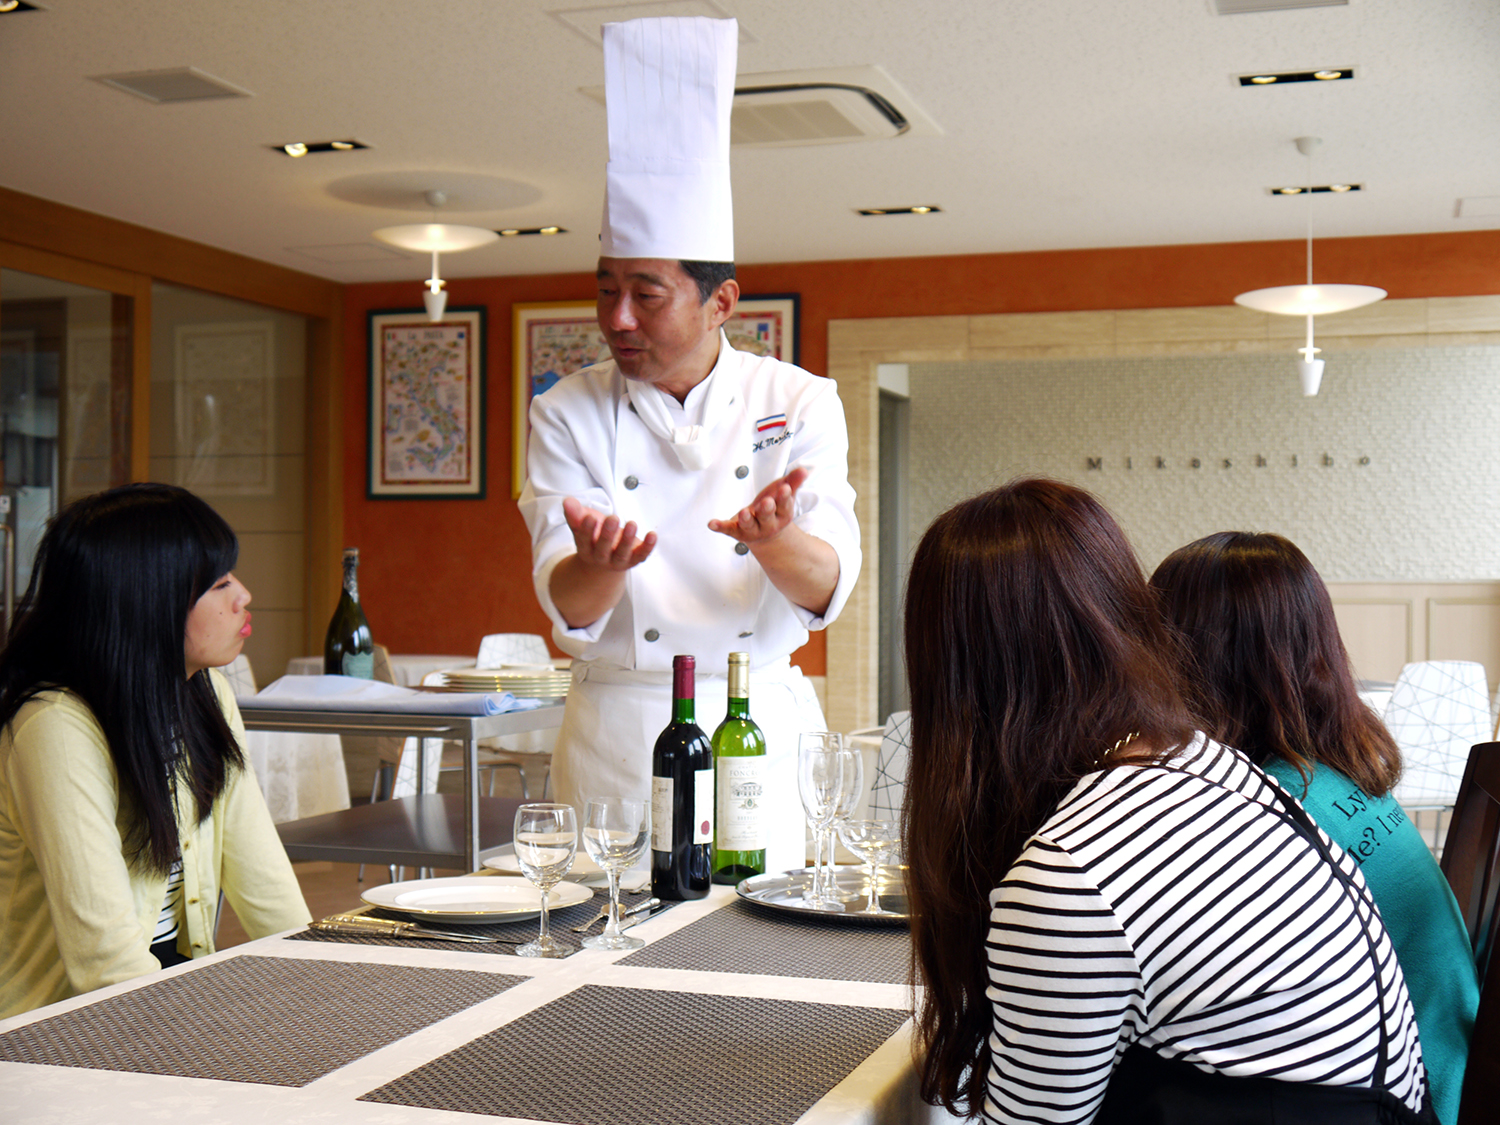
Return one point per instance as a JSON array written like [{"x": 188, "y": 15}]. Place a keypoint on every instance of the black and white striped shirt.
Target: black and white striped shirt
[{"x": 1172, "y": 907}]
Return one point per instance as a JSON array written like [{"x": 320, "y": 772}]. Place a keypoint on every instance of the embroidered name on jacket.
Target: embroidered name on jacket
[{"x": 769, "y": 426}]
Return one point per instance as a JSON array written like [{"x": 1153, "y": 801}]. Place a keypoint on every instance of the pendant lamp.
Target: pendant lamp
[
  {"x": 436, "y": 238},
  {"x": 1309, "y": 300}
]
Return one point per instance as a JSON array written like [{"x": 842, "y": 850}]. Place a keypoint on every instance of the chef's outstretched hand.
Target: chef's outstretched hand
[
  {"x": 768, "y": 515},
  {"x": 602, "y": 542}
]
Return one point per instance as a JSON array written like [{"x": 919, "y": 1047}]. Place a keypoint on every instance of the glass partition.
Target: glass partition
[{"x": 65, "y": 355}]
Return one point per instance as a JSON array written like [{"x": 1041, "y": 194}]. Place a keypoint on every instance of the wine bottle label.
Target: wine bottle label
[
  {"x": 361, "y": 664},
  {"x": 703, "y": 806},
  {"x": 742, "y": 804},
  {"x": 661, "y": 814}
]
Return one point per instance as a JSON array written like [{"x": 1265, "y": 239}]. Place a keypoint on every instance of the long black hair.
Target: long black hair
[
  {"x": 1271, "y": 674},
  {"x": 1033, "y": 645},
  {"x": 105, "y": 616}
]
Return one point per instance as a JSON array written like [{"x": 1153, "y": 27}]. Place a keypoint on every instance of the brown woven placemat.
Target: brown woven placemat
[
  {"x": 738, "y": 938},
  {"x": 560, "y": 925},
  {"x": 624, "y": 1056},
  {"x": 272, "y": 1020}
]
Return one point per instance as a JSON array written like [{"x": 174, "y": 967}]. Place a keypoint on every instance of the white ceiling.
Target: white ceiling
[{"x": 1063, "y": 123}]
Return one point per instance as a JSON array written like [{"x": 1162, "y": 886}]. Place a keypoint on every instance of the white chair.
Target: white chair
[
  {"x": 513, "y": 648},
  {"x": 1438, "y": 710},
  {"x": 888, "y": 789}
]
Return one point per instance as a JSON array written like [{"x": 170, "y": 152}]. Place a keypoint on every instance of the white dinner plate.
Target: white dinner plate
[
  {"x": 584, "y": 870},
  {"x": 473, "y": 898}
]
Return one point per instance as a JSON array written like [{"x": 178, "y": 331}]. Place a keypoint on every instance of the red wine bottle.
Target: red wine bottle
[{"x": 682, "y": 797}]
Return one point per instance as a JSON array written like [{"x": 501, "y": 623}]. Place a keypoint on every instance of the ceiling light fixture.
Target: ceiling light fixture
[
  {"x": 302, "y": 148},
  {"x": 436, "y": 238},
  {"x": 919, "y": 209},
  {"x": 1309, "y": 300},
  {"x": 1316, "y": 189},
  {"x": 1327, "y": 74},
  {"x": 516, "y": 232}
]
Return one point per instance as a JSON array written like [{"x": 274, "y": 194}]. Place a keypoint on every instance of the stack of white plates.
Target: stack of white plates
[{"x": 524, "y": 681}]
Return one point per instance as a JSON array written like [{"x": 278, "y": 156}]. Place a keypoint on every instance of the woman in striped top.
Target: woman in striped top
[{"x": 1104, "y": 900}]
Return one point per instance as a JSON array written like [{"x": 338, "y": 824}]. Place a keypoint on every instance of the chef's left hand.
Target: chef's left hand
[{"x": 768, "y": 515}]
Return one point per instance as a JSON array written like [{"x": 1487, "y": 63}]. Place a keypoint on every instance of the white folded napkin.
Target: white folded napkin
[{"x": 349, "y": 693}]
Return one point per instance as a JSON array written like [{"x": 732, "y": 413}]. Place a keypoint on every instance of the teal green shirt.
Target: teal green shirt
[{"x": 1419, "y": 911}]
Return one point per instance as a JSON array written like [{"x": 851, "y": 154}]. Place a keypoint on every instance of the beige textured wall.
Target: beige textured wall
[{"x": 1413, "y": 384}]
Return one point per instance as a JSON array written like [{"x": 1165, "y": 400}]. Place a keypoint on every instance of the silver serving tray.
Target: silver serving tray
[{"x": 782, "y": 891}]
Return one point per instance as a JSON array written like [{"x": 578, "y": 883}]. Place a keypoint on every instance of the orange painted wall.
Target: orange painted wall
[{"x": 437, "y": 575}]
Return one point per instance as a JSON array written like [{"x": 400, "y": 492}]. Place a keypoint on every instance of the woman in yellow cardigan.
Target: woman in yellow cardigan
[{"x": 126, "y": 804}]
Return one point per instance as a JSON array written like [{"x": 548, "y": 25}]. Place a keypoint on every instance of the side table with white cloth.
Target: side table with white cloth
[
  {"x": 425, "y": 830},
  {"x": 728, "y": 1014}
]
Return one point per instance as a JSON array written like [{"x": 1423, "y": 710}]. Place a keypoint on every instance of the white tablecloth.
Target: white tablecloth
[{"x": 407, "y": 670}]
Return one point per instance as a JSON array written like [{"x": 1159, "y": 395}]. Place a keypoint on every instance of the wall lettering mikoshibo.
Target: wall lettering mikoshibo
[{"x": 1392, "y": 473}]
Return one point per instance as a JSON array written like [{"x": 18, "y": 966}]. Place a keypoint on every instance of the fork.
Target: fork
[{"x": 649, "y": 904}]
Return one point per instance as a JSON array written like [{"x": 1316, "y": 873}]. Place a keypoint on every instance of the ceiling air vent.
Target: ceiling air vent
[
  {"x": 1236, "y": 7},
  {"x": 780, "y": 109},
  {"x": 181, "y": 84},
  {"x": 811, "y": 114}
]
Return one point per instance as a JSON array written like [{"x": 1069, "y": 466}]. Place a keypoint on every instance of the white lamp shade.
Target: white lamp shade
[
  {"x": 1307, "y": 300},
  {"x": 446, "y": 238},
  {"x": 436, "y": 302},
  {"x": 1310, "y": 371}
]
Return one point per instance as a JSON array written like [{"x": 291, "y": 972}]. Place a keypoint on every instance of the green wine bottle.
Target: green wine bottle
[
  {"x": 740, "y": 780},
  {"x": 349, "y": 649}
]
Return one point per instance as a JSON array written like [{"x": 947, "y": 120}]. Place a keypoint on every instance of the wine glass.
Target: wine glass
[
  {"x": 851, "y": 786},
  {"x": 615, "y": 833},
  {"x": 546, "y": 839},
  {"x": 820, "y": 780},
  {"x": 875, "y": 842}
]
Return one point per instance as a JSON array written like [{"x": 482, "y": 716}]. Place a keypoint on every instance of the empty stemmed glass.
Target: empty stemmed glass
[
  {"x": 615, "y": 833},
  {"x": 546, "y": 840},
  {"x": 851, "y": 786},
  {"x": 820, "y": 782},
  {"x": 875, "y": 842}
]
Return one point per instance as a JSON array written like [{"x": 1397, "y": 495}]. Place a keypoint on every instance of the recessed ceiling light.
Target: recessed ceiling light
[
  {"x": 919, "y": 209},
  {"x": 302, "y": 148},
  {"x": 516, "y": 232},
  {"x": 1317, "y": 188},
  {"x": 1269, "y": 78}
]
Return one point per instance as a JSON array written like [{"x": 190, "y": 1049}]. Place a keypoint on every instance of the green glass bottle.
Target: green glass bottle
[
  {"x": 740, "y": 781},
  {"x": 349, "y": 649}
]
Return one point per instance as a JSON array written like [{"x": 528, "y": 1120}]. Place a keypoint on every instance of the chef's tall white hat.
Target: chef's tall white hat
[{"x": 668, "y": 85}]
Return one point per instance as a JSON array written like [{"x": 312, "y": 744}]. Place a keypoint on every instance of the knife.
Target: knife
[
  {"x": 649, "y": 904},
  {"x": 381, "y": 927}
]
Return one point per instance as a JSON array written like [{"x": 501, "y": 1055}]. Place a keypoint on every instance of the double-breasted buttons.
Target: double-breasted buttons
[
  {"x": 632, "y": 483},
  {"x": 652, "y": 635},
  {"x": 741, "y": 549},
  {"x": 742, "y": 472}
]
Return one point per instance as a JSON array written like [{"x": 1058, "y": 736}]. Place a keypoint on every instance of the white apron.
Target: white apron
[{"x": 614, "y": 715}]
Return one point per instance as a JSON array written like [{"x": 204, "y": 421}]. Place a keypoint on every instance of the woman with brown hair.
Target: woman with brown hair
[
  {"x": 1272, "y": 680},
  {"x": 1093, "y": 882}
]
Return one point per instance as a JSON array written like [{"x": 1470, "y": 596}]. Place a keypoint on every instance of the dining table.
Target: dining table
[{"x": 731, "y": 1013}]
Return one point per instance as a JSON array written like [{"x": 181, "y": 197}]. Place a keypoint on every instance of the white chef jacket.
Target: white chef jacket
[{"x": 699, "y": 592}]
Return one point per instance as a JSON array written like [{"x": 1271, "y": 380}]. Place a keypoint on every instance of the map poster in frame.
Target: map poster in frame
[
  {"x": 556, "y": 338},
  {"x": 426, "y": 405}
]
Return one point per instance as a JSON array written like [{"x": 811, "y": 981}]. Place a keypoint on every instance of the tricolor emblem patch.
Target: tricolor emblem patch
[{"x": 771, "y": 422}]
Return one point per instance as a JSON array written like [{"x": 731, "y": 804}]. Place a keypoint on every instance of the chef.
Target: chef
[{"x": 683, "y": 497}]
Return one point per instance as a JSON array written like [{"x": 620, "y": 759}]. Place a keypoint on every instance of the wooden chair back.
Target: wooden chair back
[{"x": 1471, "y": 862}]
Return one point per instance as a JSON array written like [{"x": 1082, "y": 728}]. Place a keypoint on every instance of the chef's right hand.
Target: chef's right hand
[{"x": 601, "y": 541}]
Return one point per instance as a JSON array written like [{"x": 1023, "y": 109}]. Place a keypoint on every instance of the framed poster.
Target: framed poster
[
  {"x": 426, "y": 405},
  {"x": 555, "y": 339}
]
